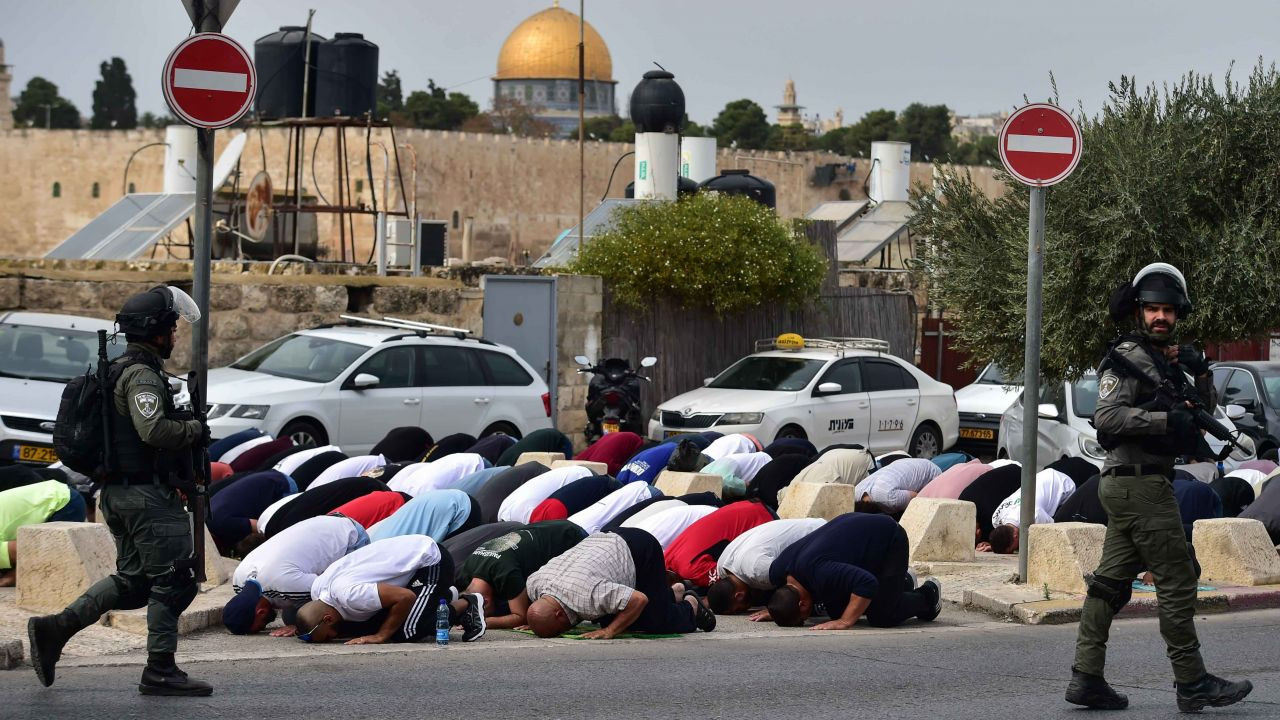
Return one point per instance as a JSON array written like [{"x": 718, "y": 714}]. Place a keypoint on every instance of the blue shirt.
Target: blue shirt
[
  {"x": 476, "y": 480},
  {"x": 434, "y": 513},
  {"x": 839, "y": 559},
  {"x": 645, "y": 466},
  {"x": 231, "y": 509}
]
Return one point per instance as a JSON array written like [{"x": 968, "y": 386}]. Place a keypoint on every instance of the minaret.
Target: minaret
[
  {"x": 6, "y": 109},
  {"x": 789, "y": 111}
]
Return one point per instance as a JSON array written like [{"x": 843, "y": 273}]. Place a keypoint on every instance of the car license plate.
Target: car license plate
[
  {"x": 611, "y": 427},
  {"x": 671, "y": 433},
  {"x": 34, "y": 453},
  {"x": 977, "y": 434}
]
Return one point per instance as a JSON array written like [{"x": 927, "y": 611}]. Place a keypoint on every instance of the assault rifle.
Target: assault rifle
[
  {"x": 1180, "y": 395},
  {"x": 198, "y": 500},
  {"x": 107, "y": 403}
]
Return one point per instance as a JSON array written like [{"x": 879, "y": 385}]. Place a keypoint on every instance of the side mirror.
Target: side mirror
[
  {"x": 1048, "y": 411},
  {"x": 707, "y": 381},
  {"x": 582, "y": 360},
  {"x": 1246, "y": 403},
  {"x": 1235, "y": 412},
  {"x": 649, "y": 361},
  {"x": 364, "y": 381},
  {"x": 830, "y": 388}
]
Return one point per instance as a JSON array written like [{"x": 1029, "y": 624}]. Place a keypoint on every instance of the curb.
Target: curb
[{"x": 1009, "y": 602}]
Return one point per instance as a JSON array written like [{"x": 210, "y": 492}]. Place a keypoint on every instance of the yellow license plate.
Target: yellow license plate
[
  {"x": 34, "y": 453},
  {"x": 671, "y": 433},
  {"x": 977, "y": 434},
  {"x": 612, "y": 427}
]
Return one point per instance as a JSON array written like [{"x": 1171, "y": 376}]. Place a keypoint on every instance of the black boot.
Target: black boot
[
  {"x": 162, "y": 677},
  {"x": 48, "y": 634},
  {"x": 1211, "y": 691},
  {"x": 1092, "y": 691}
]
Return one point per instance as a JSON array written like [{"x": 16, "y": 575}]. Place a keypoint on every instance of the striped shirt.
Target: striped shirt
[{"x": 595, "y": 578}]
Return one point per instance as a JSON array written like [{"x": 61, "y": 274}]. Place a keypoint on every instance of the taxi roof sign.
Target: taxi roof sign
[
  {"x": 793, "y": 341},
  {"x": 789, "y": 341}
]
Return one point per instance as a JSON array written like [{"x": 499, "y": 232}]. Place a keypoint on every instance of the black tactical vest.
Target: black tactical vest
[{"x": 133, "y": 459}]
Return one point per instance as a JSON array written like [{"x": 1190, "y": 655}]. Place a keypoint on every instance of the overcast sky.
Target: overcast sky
[{"x": 976, "y": 57}]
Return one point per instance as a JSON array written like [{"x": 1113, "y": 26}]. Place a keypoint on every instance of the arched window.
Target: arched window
[
  {"x": 359, "y": 186},
  {"x": 455, "y": 219},
  {"x": 132, "y": 188},
  {"x": 97, "y": 191},
  {"x": 57, "y": 189}
]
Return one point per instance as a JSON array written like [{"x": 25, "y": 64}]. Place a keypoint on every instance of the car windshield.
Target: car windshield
[
  {"x": 1271, "y": 383},
  {"x": 1084, "y": 396},
  {"x": 32, "y": 352},
  {"x": 783, "y": 374},
  {"x": 302, "y": 357},
  {"x": 992, "y": 375}
]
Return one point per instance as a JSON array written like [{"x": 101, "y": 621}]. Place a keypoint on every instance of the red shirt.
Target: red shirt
[
  {"x": 371, "y": 508},
  {"x": 549, "y": 509},
  {"x": 694, "y": 552}
]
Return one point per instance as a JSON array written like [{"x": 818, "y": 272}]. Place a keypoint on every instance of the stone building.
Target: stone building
[
  {"x": 789, "y": 111},
  {"x": 538, "y": 66},
  {"x": 6, "y": 104}
]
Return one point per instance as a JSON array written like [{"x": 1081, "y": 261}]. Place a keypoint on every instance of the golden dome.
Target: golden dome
[{"x": 545, "y": 46}]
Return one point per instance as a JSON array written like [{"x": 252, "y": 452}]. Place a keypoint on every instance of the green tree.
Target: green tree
[
  {"x": 693, "y": 129},
  {"x": 624, "y": 133},
  {"x": 927, "y": 128},
  {"x": 509, "y": 116},
  {"x": 600, "y": 128},
  {"x": 151, "y": 120},
  {"x": 856, "y": 139},
  {"x": 984, "y": 150},
  {"x": 743, "y": 124},
  {"x": 114, "y": 99},
  {"x": 789, "y": 137},
  {"x": 39, "y": 103},
  {"x": 437, "y": 110},
  {"x": 390, "y": 96},
  {"x": 724, "y": 252},
  {"x": 1185, "y": 175}
]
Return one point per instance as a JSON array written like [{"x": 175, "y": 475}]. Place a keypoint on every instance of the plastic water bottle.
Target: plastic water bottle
[{"x": 442, "y": 624}]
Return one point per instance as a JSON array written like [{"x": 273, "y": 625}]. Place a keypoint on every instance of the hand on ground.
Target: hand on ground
[
  {"x": 601, "y": 634},
  {"x": 833, "y": 625},
  {"x": 366, "y": 640},
  {"x": 286, "y": 631},
  {"x": 759, "y": 616}
]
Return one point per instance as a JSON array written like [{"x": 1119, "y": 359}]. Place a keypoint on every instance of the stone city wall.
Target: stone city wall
[{"x": 522, "y": 192}]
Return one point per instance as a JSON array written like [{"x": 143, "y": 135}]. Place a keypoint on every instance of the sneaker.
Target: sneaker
[
  {"x": 1211, "y": 691},
  {"x": 932, "y": 590},
  {"x": 472, "y": 620},
  {"x": 1092, "y": 691},
  {"x": 703, "y": 618},
  {"x": 172, "y": 682}
]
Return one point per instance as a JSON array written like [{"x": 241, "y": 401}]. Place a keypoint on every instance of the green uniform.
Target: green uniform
[
  {"x": 1144, "y": 526},
  {"x": 145, "y": 514}
]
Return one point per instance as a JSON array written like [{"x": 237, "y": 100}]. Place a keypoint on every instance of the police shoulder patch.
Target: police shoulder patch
[
  {"x": 1107, "y": 385},
  {"x": 148, "y": 404}
]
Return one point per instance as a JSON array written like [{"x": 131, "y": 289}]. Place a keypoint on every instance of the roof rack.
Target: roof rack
[
  {"x": 427, "y": 326},
  {"x": 414, "y": 327},
  {"x": 829, "y": 343}
]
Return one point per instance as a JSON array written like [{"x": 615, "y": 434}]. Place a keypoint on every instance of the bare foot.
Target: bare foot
[
  {"x": 8, "y": 579},
  {"x": 678, "y": 591}
]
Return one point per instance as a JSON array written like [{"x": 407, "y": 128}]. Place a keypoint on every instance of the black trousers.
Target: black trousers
[
  {"x": 893, "y": 603},
  {"x": 431, "y": 584},
  {"x": 663, "y": 613}
]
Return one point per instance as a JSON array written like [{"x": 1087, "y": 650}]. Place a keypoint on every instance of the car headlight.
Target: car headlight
[
  {"x": 1091, "y": 448},
  {"x": 741, "y": 419},
  {"x": 250, "y": 412},
  {"x": 656, "y": 416},
  {"x": 213, "y": 412}
]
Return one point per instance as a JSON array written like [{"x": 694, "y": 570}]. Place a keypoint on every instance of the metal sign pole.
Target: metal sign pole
[
  {"x": 1031, "y": 376},
  {"x": 201, "y": 250}
]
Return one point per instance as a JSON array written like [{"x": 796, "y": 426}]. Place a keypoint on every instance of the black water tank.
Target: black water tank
[
  {"x": 741, "y": 182},
  {"x": 279, "y": 59},
  {"x": 684, "y": 186},
  {"x": 346, "y": 76},
  {"x": 657, "y": 103}
]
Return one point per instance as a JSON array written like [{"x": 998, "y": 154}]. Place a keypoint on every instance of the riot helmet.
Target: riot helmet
[
  {"x": 155, "y": 312},
  {"x": 1162, "y": 283}
]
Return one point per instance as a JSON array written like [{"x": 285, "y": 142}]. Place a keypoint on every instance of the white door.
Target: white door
[
  {"x": 895, "y": 400},
  {"x": 396, "y": 401},
  {"x": 455, "y": 397},
  {"x": 843, "y": 417}
]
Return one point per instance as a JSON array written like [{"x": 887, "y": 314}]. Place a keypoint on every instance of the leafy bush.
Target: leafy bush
[
  {"x": 1187, "y": 175},
  {"x": 723, "y": 252}
]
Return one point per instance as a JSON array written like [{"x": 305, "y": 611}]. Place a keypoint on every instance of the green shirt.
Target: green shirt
[
  {"x": 30, "y": 504},
  {"x": 506, "y": 562}
]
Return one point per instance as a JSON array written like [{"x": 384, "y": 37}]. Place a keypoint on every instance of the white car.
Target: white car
[
  {"x": 828, "y": 390},
  {"x": 981, "y": 405},
  {"x": 347, "y": 385},
  {"x": 39, "y": 353},
  {"x": 1064, "y": 428}
]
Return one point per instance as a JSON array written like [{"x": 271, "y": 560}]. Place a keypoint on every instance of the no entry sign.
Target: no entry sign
[
  {"x": 209, "y": 81},
  {"x": 1040, "y": 145}
]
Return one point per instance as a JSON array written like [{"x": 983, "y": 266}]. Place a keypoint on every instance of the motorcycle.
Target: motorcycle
[{"x": 613, "y": 396}]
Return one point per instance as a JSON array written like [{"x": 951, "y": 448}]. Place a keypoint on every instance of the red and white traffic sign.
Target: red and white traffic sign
[
  {"x": 209, "y": 81},
  {"x": 1040, "y": 145}
]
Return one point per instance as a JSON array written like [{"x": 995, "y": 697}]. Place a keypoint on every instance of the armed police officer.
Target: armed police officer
[
  {"x": 1143, "y": 432},
  {"x": 150, "y": 443}
]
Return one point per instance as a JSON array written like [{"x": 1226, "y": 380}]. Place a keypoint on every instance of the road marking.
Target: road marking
[
  {"x": 209, "y": 80},
  {"x": 1053, "y": 144}
]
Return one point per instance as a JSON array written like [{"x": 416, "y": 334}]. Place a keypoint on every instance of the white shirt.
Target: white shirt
[
  {"x": 287, "y": 564},
  {"x": 441, "y": 474},
  {"x": 667, "y": 525},
  {"x": 292, "y": 462},
  {"x": 607, "y": 508},
  {"x": 892, "y": 486},
  {"x": 265, "y": 516},
  {"x": 1002, "y": 462},
  {"x": 350, "y": 585},
  {"x": 742, "y": 466},
  {"x": 235, "y": 452},
  {"x": 1052, "y": 489},
  {"x": 351, "y": 467},
  {"x": 729, "y": 445},
  {"x": 1255, "y": 478},
  {"x": 750, "y": 554},
  {"x": 653, "y": 509},
  {"x": 519, "y": 504}
]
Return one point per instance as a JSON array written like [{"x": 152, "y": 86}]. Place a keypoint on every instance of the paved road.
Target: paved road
[{"x": 966, "y": 668}]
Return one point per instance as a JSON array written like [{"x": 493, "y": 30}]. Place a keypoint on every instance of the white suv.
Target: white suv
[
  {"x": 347, "y": 385},
  {"x": 828, "y": 390},
  {"x": 39, "y": 353}
]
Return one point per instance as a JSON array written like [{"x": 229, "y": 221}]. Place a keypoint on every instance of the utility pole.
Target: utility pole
[
  {"x": 582, "y": 131},
  {"x": 201, "y": 255}
]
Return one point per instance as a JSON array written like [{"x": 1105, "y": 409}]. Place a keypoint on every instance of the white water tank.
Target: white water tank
[
  {"x": 698, "y": 158},
  {"x": 890, "y": 172},
  {"x": 657, "y": 165},
  {"x": 180, "y": 159}
]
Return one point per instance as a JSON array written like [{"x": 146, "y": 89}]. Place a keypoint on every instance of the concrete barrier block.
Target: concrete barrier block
[
  {"x": 1061, "y": 553},
  {"x": 1236, "y": 551},
  {"x": 545, "y": 458},
  {"x": 215, "y": 570},
  {"x": 204, "y": 612},
  {"x": 58, "y": 561},
  {"x": 940, "y": 530},
  {"x": 816, "y": 500},
  {"x": 673, "y": 483},
  {"x": 596, "y": 468}
]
